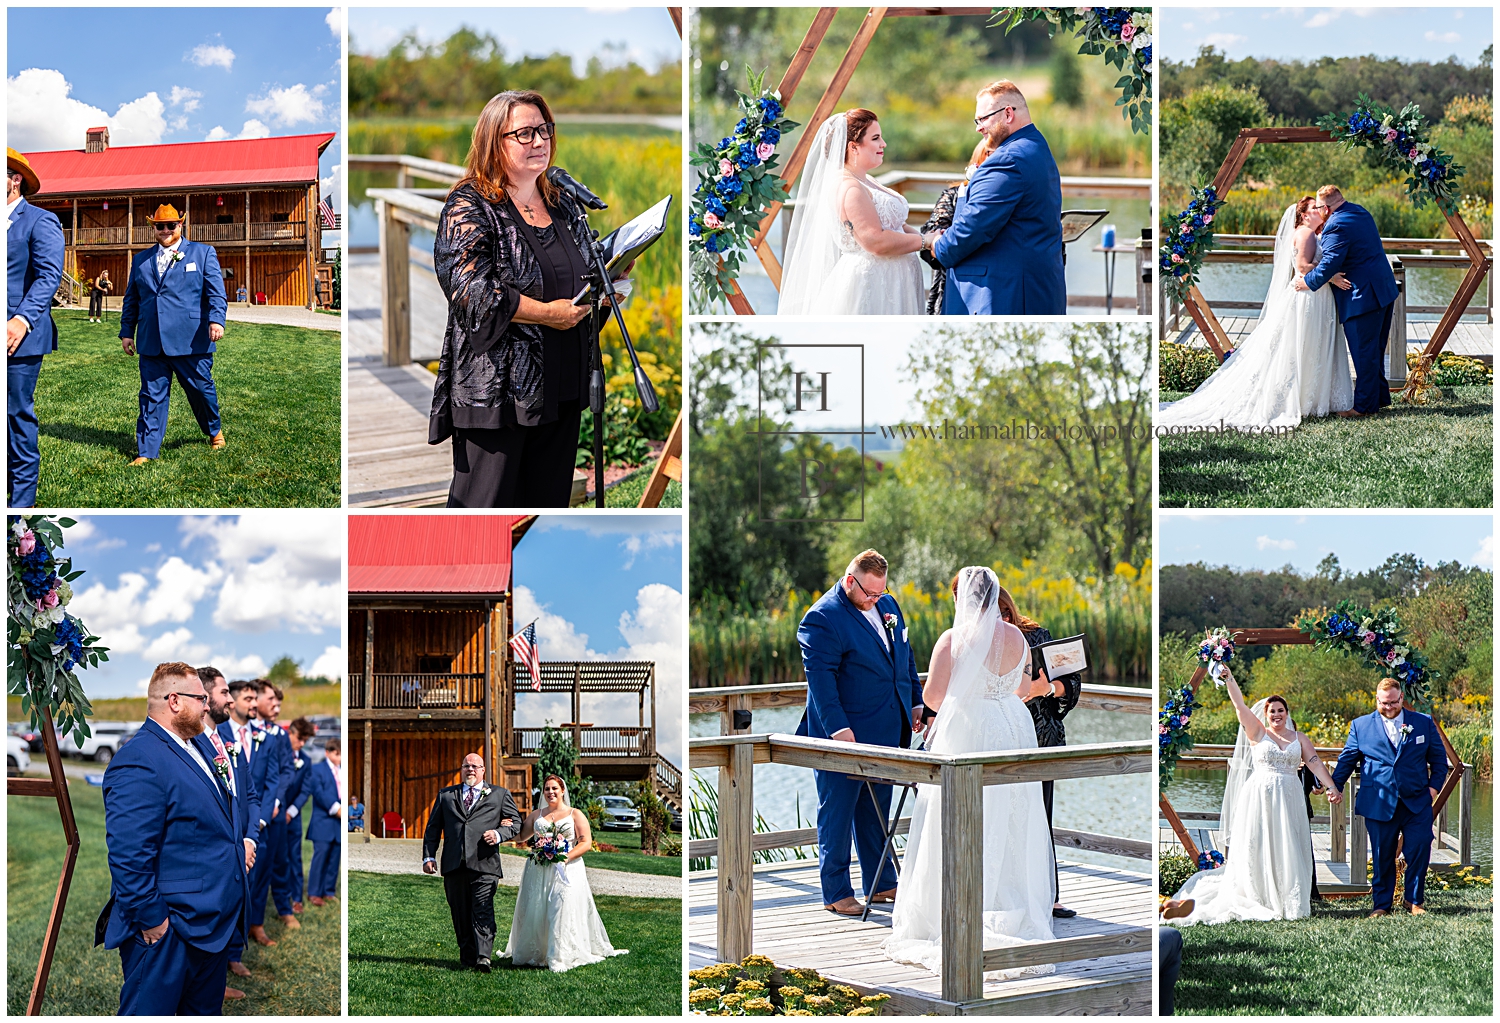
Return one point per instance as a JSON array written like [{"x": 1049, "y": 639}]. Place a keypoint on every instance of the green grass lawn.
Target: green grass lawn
[
  {"x": 629, "y": 858},
  {"x": 299, "y": 977},
  {"x": 279, "y": 399},
  {"x": 627, "y": 493},
  {"x": 1339, "y": 963},
  {"x": 1430, "y": 456},
  {"x": 403, "y": 958}
]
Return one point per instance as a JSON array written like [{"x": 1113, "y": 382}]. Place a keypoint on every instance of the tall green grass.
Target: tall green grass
[{"x": 703, "y": 822}]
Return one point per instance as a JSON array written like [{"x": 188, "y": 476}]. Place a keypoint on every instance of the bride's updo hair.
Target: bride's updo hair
[
  {"x": 1303, "y": 205},
  {"x": 558, "y": 779},
  {"x": 857, "y": 122},
  {"x": 1278, "y": 699}
]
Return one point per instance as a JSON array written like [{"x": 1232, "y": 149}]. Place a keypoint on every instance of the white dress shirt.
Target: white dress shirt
[
  {"x": 164, "y": 256},
  {"x": 875, "y": 619},
  {"x": 192, "y": 751},
  {"x": 1393, "y": 727}
]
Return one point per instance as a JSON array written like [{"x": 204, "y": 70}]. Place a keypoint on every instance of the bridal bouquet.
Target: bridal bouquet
[
  {"x": 1217, "y": 648},
  {"x": 548, "y": 847},
  {"x": 1121, "y": 35},
  {"x": 736, "y": 186},
  {"x": 1379, "y": 639},
  {"x": 46, "y": 642},
  {"x": 1402, "y": 140}
]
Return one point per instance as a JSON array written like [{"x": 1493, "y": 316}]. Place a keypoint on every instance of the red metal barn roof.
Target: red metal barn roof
[
  {"x": 439, "y": 554},
  {"x": 292, "y": 159}
]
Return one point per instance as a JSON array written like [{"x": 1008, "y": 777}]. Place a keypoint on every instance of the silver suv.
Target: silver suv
[{"x": 619, "y": 814}]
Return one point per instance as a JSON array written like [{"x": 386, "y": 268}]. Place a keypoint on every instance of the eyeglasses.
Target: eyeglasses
[
  {"x": 201, "y": 697},
  {"x": 526, "y": 136},
  {"x": 473, "y": 767},
  {"x": 866, "y": 592},
  {"x": 980, "y": 120},
  {"x": 160, "y": 226}
]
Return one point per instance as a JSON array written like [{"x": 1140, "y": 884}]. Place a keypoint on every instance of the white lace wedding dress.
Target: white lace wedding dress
[
  {"x": 826, "y": 271},
  {"x": 1294, "y": 365},
  {"x": 555, "y": 924},
  {"x": 980, "y": 712},
  {"x": 1267, "y": 872}
]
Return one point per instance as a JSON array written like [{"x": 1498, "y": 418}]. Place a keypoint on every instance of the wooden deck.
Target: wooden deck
[
  {"x": 792, "y": 928},
  {"x": 1473, "y": 339}
]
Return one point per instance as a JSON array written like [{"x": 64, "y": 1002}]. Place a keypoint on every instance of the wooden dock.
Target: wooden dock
[
  {"x": 1473, "y": 339},
  {"x": 792, "y": 928}
]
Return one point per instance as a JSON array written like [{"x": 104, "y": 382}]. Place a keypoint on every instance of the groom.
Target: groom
[
  {"x": 1403, "y": 767},
  {"x": 1004, "y": 250},
  {"x": 472, "y": 819},
  {"x": 1351, "y": 243},
  {"x": 862, "y": 686}
]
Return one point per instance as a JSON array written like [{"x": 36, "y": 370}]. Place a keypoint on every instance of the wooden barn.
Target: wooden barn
[
  {"x": 431, "y": 675},
  {"x": 254, "y": 200}
]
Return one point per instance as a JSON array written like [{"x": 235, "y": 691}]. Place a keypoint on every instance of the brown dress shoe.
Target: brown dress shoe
[
  {"x": 239, "y": 969},
  {"x": 1176, "y": 909},
  {"x": 1380, "y": 912},
  {"x": 316, "y": 900},
  {"x": 142, "y": 461},
  {"x": 1418, "y": 911},
  {"x": 292, "y": 923},
  {"x": 1351, "y": 414},
  {"x": 889, "y": 895},
  {"x": 258, "y": 932},
  {"x": 217, "y": 441},
  {"x": 296, "y": 907},
  {"x": 231, "y": 993},
  {"x": 847, "y": 906}
]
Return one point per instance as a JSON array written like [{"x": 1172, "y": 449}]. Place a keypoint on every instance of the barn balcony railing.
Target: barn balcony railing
[
  {"x": 101, "y": 235},
  {"x": 278, "y": 231},
  {"x": 216, "y": 232},
  {"x": 592, "y": 741},
  {"x": 426, "y": 691}
]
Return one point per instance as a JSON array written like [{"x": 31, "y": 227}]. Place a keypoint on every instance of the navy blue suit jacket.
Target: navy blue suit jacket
[
  {"x": 1004, "y": 251},
  {"x": 1351, "y": 243},
  {"x": 34, "y": 255},
  {"x": 173, "y": 312},
  {"x": 1388, "y": 775},
  {"x": 297, "y": 792},
  {"x": 270, "y": 766},
  {"x": 175, "y": 851},
  {"x": 248, "y": 812},
  {"x": 853, "y": 681},
  {"x": 322, "y": 826}
]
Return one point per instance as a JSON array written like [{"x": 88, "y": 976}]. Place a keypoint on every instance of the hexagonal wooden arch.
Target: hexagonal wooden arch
[
  {"x": 1234, "y": 162},
  {"x": 1296, "y": 637}
]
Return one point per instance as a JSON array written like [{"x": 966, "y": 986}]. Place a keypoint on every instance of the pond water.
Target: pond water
[
  {"x": 1247, "y": 282},
  {"x": 1118, "y": 806},
  {"x": 1203, "y": 791}
]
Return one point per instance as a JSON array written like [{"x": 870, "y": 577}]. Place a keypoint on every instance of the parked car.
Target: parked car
[
  {"x": 328, "y": 727},
  {"x": 105, "y": 741},
  {"x": 17, "y": 756},
  {"x": 31, "y": 736},
  {"x": 619, "y": 814},
  {"x": 676, "y": 815}
]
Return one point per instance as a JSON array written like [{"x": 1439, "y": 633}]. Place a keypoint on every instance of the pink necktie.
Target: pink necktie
[{"x": 218, "y": 743}]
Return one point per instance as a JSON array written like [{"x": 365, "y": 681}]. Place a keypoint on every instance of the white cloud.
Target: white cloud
[
  {"x": 1264, "y": 543},
  {"x": 288, "y": 106},
  {"x": 179, "y": 588},
  {"x": 81, "y": 529},
  {"x": 335, "y": 20},
  {"x": 253, "y": 129},
  {"x": 176, "y": 645},
  {"x": 331, "y": 663},
  {"x": 1444, "y": 37},
  {"x": 636, "y": 543},
  {"x": 212, "y": 55},
  {"x": 178, "y": 123},
  {"x": 557, "y": 639},
  {"x": 186, "y": 98},
  {"x": 1223, "y": 40},
  {"x": 250, "y": 666},
  {"x": 332, "y": 187},
  {"x": 280, "y": 570},
  {"x": 1485, "y": 556},
  {"x": 42, "y": 114}
]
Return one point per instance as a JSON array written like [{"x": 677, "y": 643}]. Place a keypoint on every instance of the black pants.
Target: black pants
[
  {"x": 517, "y": 466},
  {"x": 1047, "y": 805},
  {"x": 471, "y": 900},
  {"x": 96, "y": 304},
  {"x": 1169, "y": 957}
]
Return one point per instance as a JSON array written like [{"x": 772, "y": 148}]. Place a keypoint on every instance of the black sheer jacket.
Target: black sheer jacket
[
  {"x": 495, "y": 372},
  {"x": 1047, "y": 712},
  {"x": 940, "y": 220}
]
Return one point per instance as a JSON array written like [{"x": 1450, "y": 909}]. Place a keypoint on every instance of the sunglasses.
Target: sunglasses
[
  {"x": 526, "y": 136},
  {"x": 160, "y": 226}
]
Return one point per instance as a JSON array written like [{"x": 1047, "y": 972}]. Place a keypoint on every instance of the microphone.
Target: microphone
[{"x": 562, "y": 179}]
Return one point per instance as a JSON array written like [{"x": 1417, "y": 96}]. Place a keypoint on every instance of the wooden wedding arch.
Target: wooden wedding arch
[
  {"x": 1295, "y": 637},
  {"x": 1234, "y": 162}
]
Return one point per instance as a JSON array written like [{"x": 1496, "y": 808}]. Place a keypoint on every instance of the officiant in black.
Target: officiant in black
[
  {"x": 472, "y": 819},
  {"x": 1048, "y": 707},
  {"x": 510, "y": 256}
]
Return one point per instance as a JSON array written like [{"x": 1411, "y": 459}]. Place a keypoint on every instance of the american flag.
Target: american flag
[
  {"x": 326, "y": 209},
  {"x": 523, "y": 645}
]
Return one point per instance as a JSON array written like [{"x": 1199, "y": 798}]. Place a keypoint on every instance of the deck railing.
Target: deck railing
[
  {"x": 668, "y": 781},
  {"x": 143, "y": 235},
  {"x": 591, "y": 741},
  {"x": 962, "y": 779},
  {"x": 423, "y": 690}
]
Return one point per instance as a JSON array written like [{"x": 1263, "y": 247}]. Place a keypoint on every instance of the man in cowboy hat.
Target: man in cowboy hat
[
  {"x": 176, "y": 296},
  {"x": 34, "y": 255}
]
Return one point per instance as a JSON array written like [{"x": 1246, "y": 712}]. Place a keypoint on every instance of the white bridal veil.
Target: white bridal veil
[
  {"x": 812, "y": 246},
  {"x": 1240, "y": 767}
]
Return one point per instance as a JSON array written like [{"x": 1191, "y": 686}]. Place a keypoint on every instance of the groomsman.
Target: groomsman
[
  {"x": 298, "y": 795},
  {"x": 325, "y": 826},
  {"x": 268, "y": 707},
  {"x": 34, "y": 262},
  {"x": 266, "y": 770},
  {"x": 175, "y": 300}
]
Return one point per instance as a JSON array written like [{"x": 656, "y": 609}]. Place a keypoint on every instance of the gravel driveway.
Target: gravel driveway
[{"x": 401, "y": 857}]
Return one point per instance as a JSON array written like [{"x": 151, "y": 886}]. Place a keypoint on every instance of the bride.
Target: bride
[
  {"x": 849, "y": 250},
  {"x": 1268, "y": 868},
  {"x": 555, "y": 923},
  {"x": 976, "y": 668},
  {"x": 1295, "y": 363}
]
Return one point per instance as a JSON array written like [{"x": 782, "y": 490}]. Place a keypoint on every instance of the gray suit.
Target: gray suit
[{"x": 470, "y": 865}]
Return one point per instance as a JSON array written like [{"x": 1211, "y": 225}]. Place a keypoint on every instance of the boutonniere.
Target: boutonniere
[
  {"x": 890, "y": 622},
  {"x": 221, "y": 764},
  {"x": 297, "y": 763},
  {"x": 232, "y": 748},
  {"x": 1405, "y": 732},
  {"x": 257, "y": 737},
  {"x": 176, "y": 255},
  {"x": 484, "y": 790}
]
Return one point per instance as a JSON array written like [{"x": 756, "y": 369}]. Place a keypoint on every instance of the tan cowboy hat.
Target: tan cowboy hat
[
  {"x": 166, "y": 211},
  {"x": 30, "y": 183}
]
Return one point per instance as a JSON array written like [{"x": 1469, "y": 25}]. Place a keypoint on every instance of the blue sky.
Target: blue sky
[
  {"x": 234, "y": 591},
  {"x": 1307, "y": 33},
  {"x": 180, "y": 74},
  {"x": 1361, "y": 541},
  {"x": 643, "y": 34},
  {"x": 606, "y": 587}
]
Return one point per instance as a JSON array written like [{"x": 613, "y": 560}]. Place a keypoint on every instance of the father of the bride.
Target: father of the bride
[
  {"x": 862, "y": 686},
  {"x": 1402, "y": 765},
  {"x": 1004, "y": 250},
  {"x": 1351, "y": 243},
  {"x": 472, "y": 819},
  {"x": 178, "y": 858}
]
